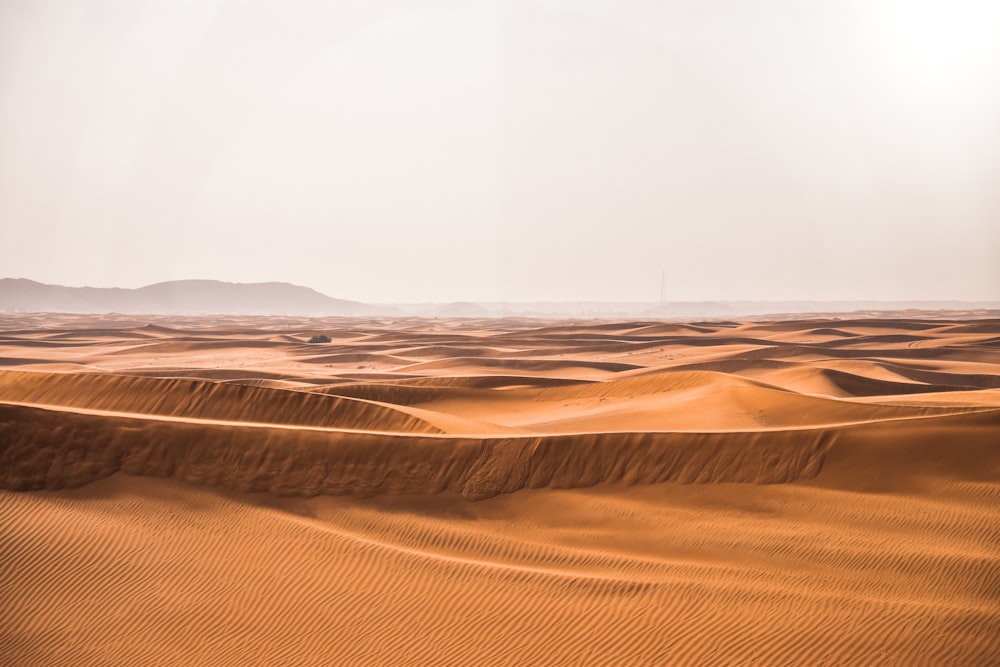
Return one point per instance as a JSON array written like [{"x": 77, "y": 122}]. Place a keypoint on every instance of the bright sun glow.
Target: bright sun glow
[{"x": 937, "y": 52}]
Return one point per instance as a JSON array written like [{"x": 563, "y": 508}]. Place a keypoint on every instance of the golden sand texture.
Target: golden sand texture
[{"x": 219, "y": 491}]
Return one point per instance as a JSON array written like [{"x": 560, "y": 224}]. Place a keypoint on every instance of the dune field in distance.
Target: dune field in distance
[{"x": 220, "y": 491}]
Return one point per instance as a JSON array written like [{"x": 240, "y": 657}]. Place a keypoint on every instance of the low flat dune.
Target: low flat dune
[{"x": 478, "y": 492}]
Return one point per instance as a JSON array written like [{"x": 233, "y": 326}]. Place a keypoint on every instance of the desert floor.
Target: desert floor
[{"x": 479, "y": 492}]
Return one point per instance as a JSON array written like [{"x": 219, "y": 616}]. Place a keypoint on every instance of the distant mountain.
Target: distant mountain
[
  {"x": 179, "y": 297},
  {"x": 214, "y": 297}
]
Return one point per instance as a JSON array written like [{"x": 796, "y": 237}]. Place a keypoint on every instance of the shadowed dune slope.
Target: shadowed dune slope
[
  {"x": 203, "y": 400},
  {"x": 49, "y": 449},
  {"x": 55, "y": 449}
]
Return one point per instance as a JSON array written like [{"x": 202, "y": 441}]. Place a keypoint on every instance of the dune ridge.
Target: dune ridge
[
  {"x": 202, "y": 400},
  {"x": 47, "y": 449}
]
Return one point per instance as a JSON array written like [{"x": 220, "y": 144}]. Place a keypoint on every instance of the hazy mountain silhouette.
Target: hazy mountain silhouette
[
  {"x": 214, "y": 297},
  {"x": 181, "y": 297}
]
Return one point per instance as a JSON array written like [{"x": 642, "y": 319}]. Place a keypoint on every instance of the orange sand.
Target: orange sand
[{"x": 477, "y": 492}]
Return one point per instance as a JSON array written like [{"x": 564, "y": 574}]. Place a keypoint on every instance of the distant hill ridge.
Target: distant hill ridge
[
  {"x": 215, "y": 297},
  {"x": 178, "y": 297}
]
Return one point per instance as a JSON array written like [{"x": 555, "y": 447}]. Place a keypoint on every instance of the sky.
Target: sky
[{"x": 395, "y": 151}]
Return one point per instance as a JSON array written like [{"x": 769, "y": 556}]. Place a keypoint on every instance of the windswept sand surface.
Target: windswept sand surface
[{"x": 480, "y": 492}]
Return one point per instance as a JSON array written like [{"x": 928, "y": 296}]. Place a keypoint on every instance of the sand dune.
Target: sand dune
[
  {"x": 199, "y": 491},
  {"x": 202, "y": 400}
]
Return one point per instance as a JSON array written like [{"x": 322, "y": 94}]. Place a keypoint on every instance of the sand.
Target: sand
[{"x": 479, "y": 492}]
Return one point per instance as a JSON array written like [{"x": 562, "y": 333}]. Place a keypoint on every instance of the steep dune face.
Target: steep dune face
[
  {"x": 53, "y": 449},
  {"x": 203, "y": 400},
  {"x": 218, "y": 492}
]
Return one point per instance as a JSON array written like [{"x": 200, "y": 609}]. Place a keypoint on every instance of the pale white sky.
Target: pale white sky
[{"x": 398, "y": 150}]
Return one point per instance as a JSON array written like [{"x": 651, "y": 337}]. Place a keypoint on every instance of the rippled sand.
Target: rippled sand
[{"x": 199, "y": 491}]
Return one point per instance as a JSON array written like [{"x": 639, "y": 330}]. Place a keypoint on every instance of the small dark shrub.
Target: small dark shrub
[{"x": 320, "y": 338}]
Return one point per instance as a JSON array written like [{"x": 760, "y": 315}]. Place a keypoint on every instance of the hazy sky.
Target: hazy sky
[{"x": 387, "y": 151}]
